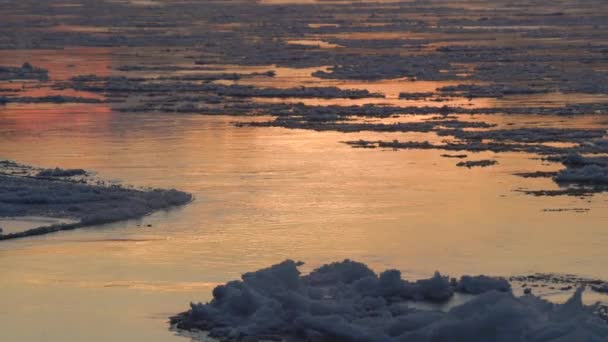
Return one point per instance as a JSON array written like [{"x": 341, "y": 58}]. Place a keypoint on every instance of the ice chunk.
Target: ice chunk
[
  {"x": 480, "y": 284},
  {"x": 346, "y": 271},
  {"x": 57, "y": 172},
  {"x": 346, "y": 301},
  {"x": 588, "y": 174},
  {"x": 436, "y": 288},
  {"x": 32, "y": 192}
]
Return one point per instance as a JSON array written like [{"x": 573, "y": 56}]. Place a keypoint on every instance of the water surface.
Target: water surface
[
  {"x": 267, "y": 194},
  {"x": 263, "y": 195}
]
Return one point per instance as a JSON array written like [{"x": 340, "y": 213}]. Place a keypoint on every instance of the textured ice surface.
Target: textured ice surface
[
  {"x": 346, "y": 301},
  {"x": 64, "y": 193},
  {"x": 477, "y": 163},
  {"x": 583, "y": 170},
  {"x": 25, "y": 72},
  {"x": 57, "y": 172},
  {"x": 588, "y": 174}
]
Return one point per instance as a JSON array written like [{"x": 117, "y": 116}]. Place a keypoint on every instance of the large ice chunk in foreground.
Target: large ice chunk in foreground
[{"x": 346, "y": 301}]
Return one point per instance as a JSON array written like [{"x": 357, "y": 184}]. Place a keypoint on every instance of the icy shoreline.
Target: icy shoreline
[
  {"x": 74, "y": 195},
  {"x": 346, "y": 301}
]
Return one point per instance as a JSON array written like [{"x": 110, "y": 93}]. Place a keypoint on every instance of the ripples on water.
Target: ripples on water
[{"x": 263, "y": 195}]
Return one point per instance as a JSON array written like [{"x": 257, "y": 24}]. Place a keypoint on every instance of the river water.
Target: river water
[{"x": 264, "y": 195}]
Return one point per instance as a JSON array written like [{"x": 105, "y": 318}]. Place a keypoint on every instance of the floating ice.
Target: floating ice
[
  {"x": 25, "y": 72},
  {"x": 346, "y": 301},
  {"x": 582, "y": 170},
  {"x": 481, "y": 284},
  {"x": 68, "y": 194},
  {"x": 477, "y": 163},
  {"x": 58, "y": 172},
  {"x": 588, "y": 174}
]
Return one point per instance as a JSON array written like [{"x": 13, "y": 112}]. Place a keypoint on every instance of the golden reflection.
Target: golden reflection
[
  {"x": 135, "y": 285},
  {"x": 65, "y": 63},
  {"x": 267, "y": 194},
  {"x": 38, "y": 118}
]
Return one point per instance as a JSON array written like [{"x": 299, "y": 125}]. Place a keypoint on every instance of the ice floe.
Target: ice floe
[
  {"x": 25, "y": 72},
  {"x": 477, "y": 163},
  {"x": 72, "y": 200},
  {"x": 346, "y": 301}
]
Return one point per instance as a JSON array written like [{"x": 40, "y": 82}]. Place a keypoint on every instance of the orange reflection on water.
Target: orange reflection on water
[
  {"x": 263, "y": 195},
  {"x": 64, "y": 63},
  {"x": 266, "y": 194},
  {"x": 38, "y": 118}
]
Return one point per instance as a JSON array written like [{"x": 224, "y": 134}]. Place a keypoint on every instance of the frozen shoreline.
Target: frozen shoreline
[{"x": 73, "y": 195}]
